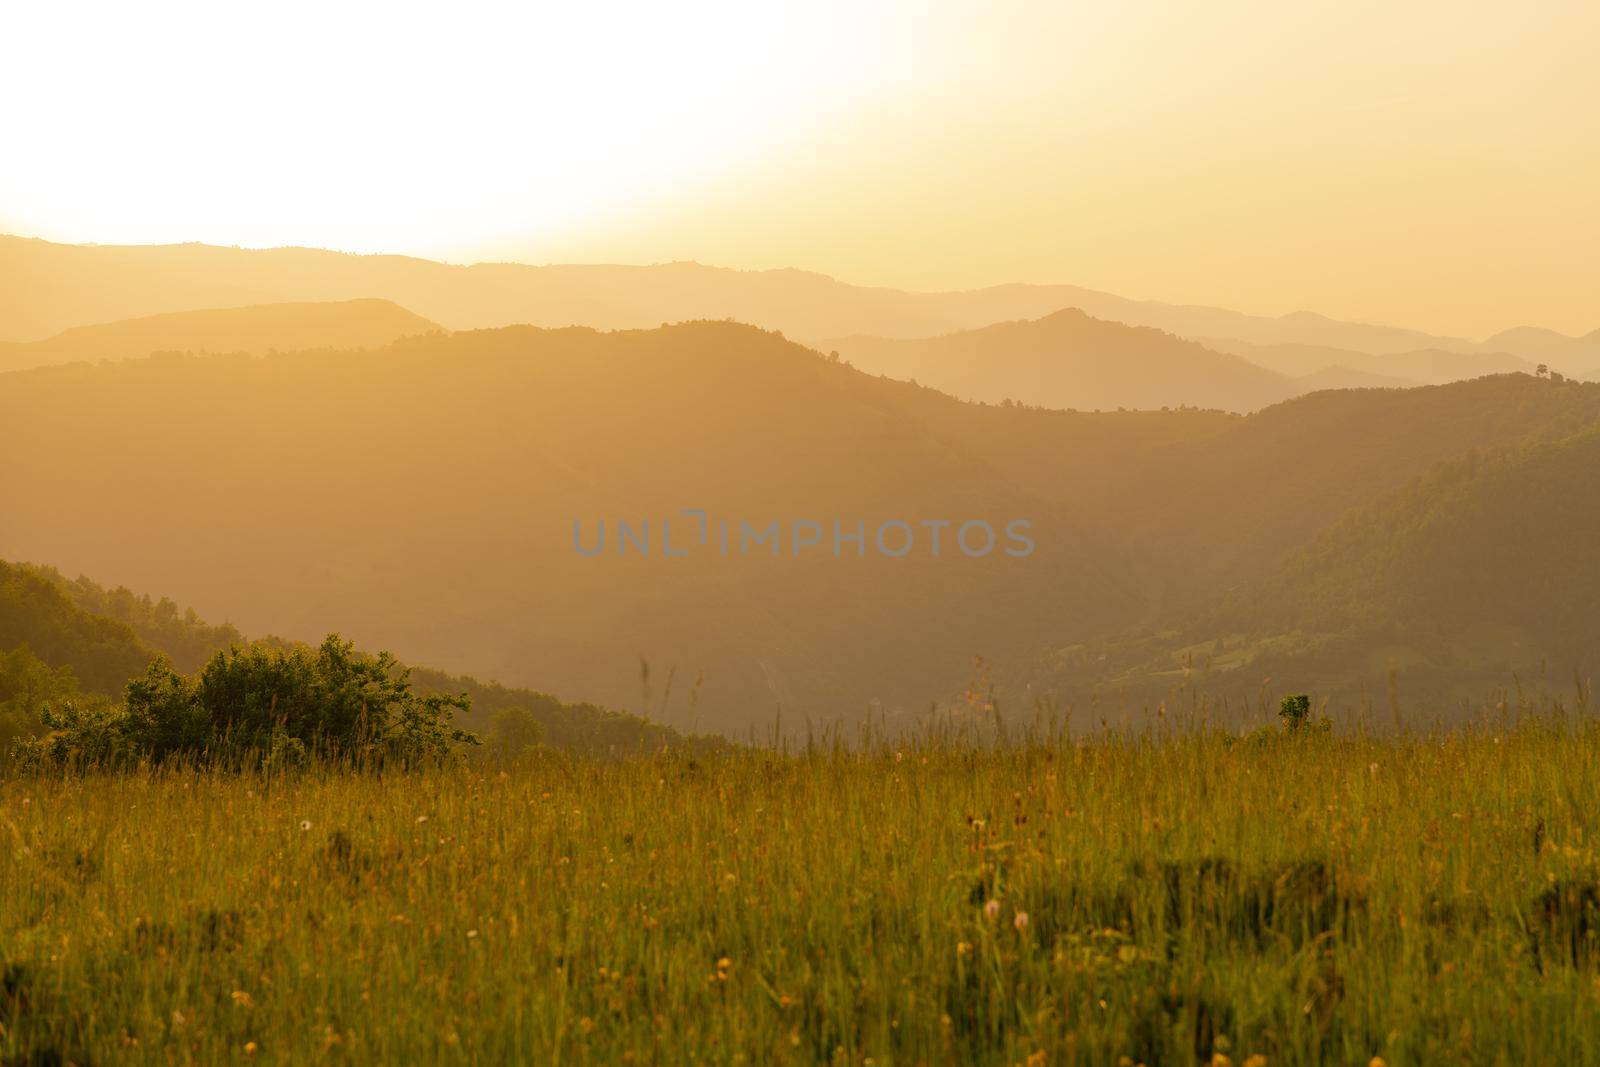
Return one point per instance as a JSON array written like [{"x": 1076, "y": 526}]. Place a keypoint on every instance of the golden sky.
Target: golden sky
[{"x": 1422, "y": 163}]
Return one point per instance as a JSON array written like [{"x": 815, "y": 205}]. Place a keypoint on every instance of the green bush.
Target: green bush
[{"x": 261, "y": 703}]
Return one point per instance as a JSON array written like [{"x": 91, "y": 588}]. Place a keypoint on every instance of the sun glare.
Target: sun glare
[{"x": 363, "y": 126}]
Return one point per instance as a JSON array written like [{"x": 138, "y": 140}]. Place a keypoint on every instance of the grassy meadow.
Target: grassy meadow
[{"x": 1135, "y": 899}]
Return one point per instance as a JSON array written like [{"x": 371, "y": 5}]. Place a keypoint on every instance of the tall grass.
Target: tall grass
[{"x": 1319, "y": 899}]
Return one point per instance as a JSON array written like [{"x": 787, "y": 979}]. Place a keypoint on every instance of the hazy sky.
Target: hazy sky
[{"x": 1426, "y": 164}]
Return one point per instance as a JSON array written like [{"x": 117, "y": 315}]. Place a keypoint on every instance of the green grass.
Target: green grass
[{"x": 1308, "y": 900}]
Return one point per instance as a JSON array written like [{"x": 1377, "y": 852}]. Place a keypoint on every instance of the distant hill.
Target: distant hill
[
  {"x": 422, "y": 498},
  {"x": 1338, "y": 376},
  {"x": 1433, "y": 366},
  {"x": 1578, "y": 356},
  {"x": 51, "y": 287},
  {"x": 259, "y": 328},
  {"x": 1070, "y": 360}
]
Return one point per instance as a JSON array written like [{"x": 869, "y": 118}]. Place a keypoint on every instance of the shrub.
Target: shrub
[
  {"x": 1294, "y": 710},
  {"x": 260, "y": 702}
]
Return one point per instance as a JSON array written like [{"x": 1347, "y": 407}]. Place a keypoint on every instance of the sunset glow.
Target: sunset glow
[{"x": 1404, "y": 164}]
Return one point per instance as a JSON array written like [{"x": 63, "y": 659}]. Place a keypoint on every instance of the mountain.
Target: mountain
[
  {"x": 1338, "y": 376},
  {"x": 1579, "y": 356},
  {"x": 425, "y": 497},
  {"x": 1224, "y": 510},
  {"x": 49, "y": 287},
  {"x": 1070, "y": 360},
  {"x": 1474, "y": 575},
  {"x": 422, "y": 498},
  {"x": 259, "y": 328},
  {"x": 1429, "y": 366}
]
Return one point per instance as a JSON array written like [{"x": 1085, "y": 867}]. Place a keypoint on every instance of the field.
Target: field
[{"x": 1157, "y": 900}]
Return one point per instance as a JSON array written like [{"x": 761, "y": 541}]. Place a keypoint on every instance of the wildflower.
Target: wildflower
[
  {"x": 305, "y": 824},
  {"x": 421, "y": 819},
  {"x": 1020, "y": 921},
  {"x": 991, "y": 909},
  {"x": 1256, "y": 1060},
  {"x": 963, "y": 948},
  {"x": 1377, "y": 1061},
  {"x": 242, "y": 999},
  {"x": 249, "y": 1048},
  {"x": 471, "y": 934}
]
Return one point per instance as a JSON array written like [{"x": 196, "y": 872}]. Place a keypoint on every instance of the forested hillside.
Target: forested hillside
[
  {"x": 73, "y": 639},
  {"x": 430, "y": 497},
  {"x": 1474, "y": 577}
]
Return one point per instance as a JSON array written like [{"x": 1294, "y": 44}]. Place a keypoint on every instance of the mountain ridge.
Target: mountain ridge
[
  {"x": 288, "y": 326},
  {"x": 802, "y": 304}
]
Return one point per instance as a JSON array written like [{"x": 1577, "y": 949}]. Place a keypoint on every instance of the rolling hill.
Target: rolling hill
[
  {"x": 423, "y": 497},
  {"x": 1475, "y": 575},
  {"x": 1427, "y": 366},
  {"x": 52, "y": 287},
  {"x": 1578, "y": 356},
  {"x": 1070, "y": 360},
  {"x": 259, "y": 328},
  {"x": 76, "y": 639}
]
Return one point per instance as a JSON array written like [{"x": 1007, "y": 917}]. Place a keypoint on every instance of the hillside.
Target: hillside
[
  {"x": 1483, "y": 567},
  {"x": 1474, "y": 576},
  {"x": 101, "y": 653},
  {"x": 422, "y": 498},
  {"x": 74, "y": 638},
  {"x": 1578, "y": 356},
  {"x": 52, "y": 287},
  {"x": 1338, "y": 376},
  {"x": 1231, "y": 506},
  {"x": 259, "y": 328},
  {"x": 1426, "y": 366},
  {"x": 1070, "y": 360}
]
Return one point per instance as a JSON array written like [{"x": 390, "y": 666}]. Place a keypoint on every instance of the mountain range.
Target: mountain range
[
  {"x": 429, "y": 497},
  {"x": 56, "y": 287},
  {"x": 302, "y": 441},
  {"x": 1073, "y": 361},
  {"x": 259, "y": 328}
]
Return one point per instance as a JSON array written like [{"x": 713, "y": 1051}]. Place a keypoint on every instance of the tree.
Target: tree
[{"x": 513, "y": 731}]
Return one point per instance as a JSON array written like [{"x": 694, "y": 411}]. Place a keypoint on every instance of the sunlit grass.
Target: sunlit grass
[{"x": 1323, "y": 899}]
